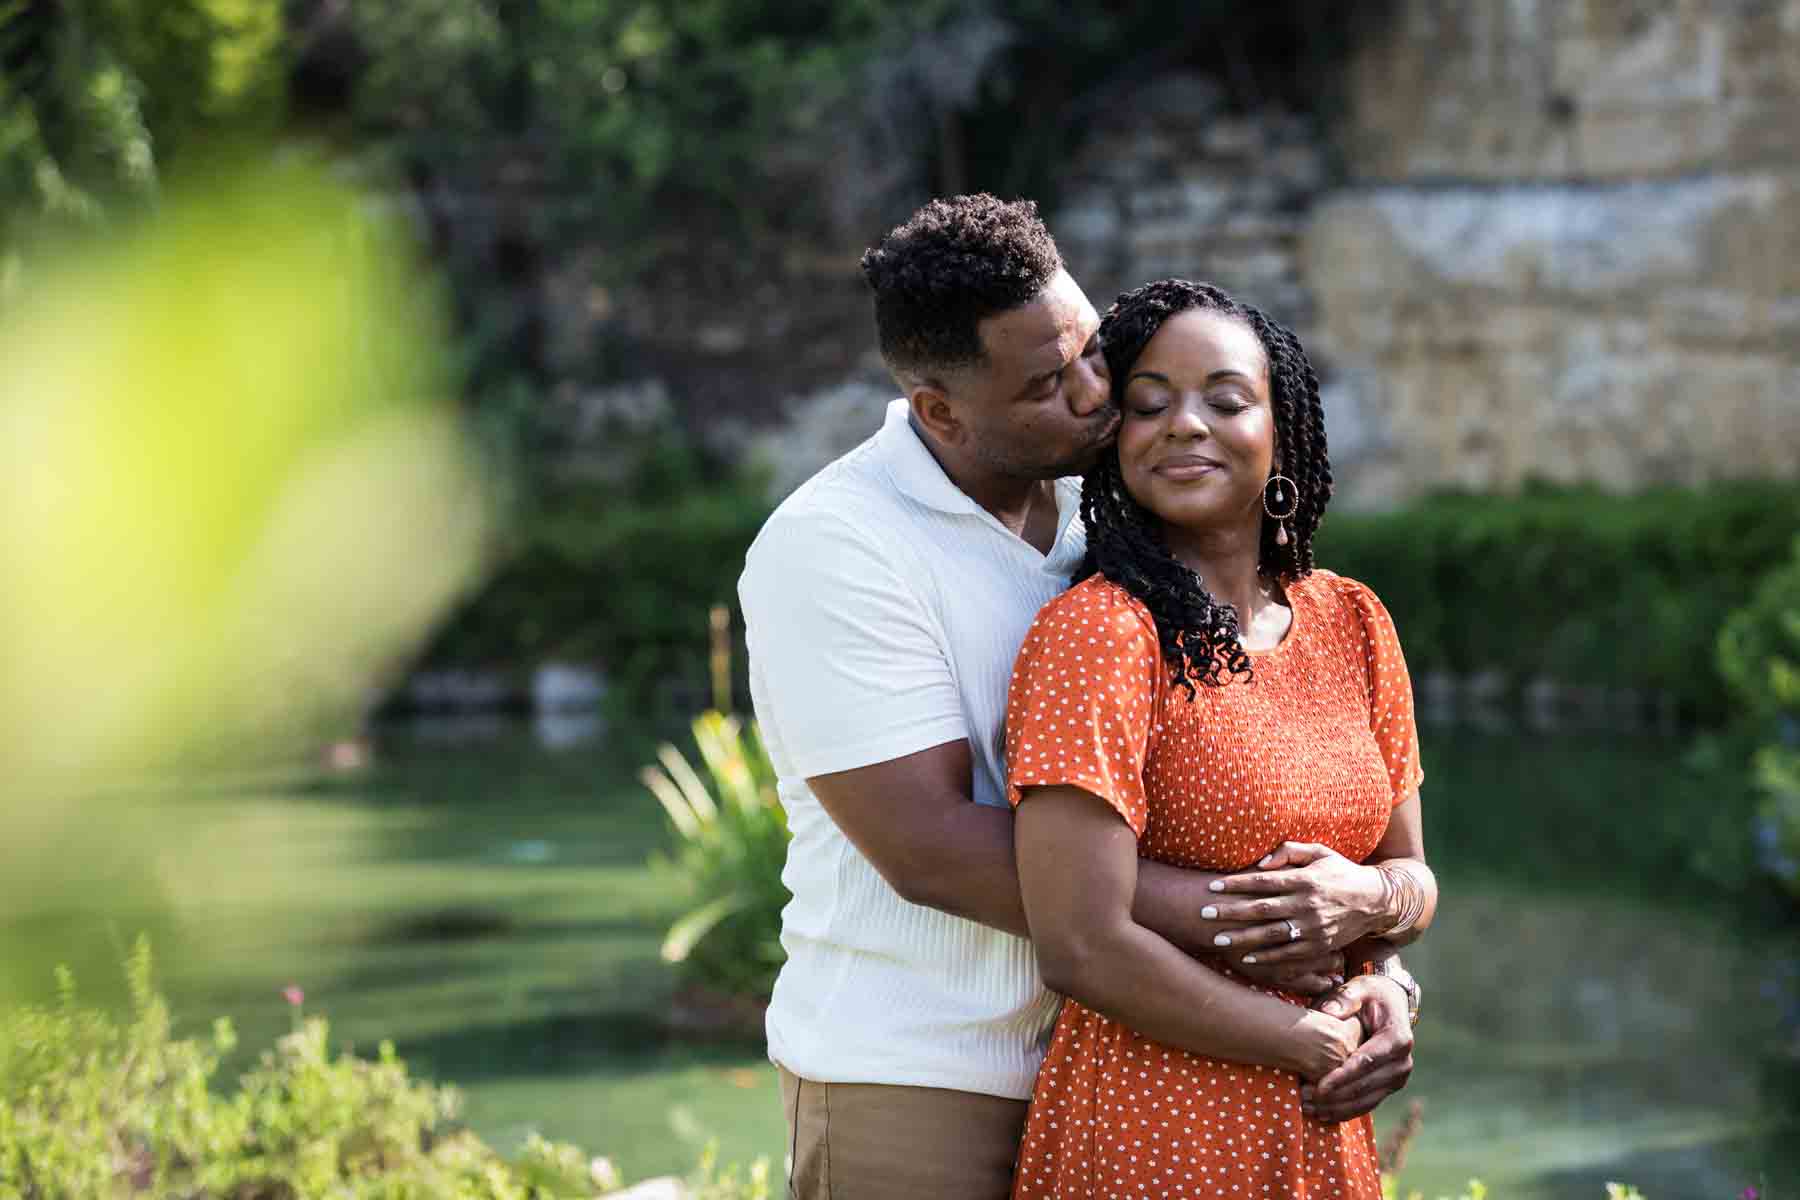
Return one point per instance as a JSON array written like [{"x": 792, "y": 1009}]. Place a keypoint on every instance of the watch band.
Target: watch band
[{"x": 1392, "y": 968}]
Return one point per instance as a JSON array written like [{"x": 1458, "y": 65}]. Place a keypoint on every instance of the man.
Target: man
[{"x": 884, "y": 602}]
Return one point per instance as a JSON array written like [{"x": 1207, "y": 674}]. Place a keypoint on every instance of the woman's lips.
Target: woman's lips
[{"x": 1187, "y": 466}]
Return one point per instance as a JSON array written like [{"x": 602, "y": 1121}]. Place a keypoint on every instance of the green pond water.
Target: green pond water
[{"x": 1595, "y": 1009}]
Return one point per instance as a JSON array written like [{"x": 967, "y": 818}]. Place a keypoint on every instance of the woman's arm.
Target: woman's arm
[
  {"x": 1402, "y": 850},
  {"x": 1078, "y": 867}
]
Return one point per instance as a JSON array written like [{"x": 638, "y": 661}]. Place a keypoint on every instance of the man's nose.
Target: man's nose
[{"x": 1091, "y": 388}]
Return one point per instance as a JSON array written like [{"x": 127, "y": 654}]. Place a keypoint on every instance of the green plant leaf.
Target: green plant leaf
[{"x": 691, "y": 929}]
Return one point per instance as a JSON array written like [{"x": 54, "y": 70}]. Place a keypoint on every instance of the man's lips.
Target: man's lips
[
  {"x": 1108, "y": 423},
  {"x": 1187, "y": 466}
]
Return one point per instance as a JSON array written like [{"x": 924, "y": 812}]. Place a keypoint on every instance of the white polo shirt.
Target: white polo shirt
[{"x": 884, "y": 608}]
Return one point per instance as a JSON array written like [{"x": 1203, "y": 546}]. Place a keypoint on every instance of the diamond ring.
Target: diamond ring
[{"x": 1293, "y": 930}]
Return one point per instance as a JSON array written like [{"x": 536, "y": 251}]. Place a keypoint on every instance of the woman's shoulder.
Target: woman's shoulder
[
  {"x": 1329, "y": 584},
  {"x": 1344, "y": 599},
  {"x": 1097, "y": 606}
]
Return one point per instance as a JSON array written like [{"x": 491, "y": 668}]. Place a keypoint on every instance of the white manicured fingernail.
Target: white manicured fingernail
[
  {"x": 1210, "y": 912},
  {"x": 1220, "y": 939},
  {"x": 1217, "y": 885},
  {"x": 1264, "y": 860},
  {"x": 1249, "y": 958}
]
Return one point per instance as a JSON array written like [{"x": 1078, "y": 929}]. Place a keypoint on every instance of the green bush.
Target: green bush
[
  {"x": 1759, "y": 656},
  {"x": 622, "y": 573},
  {"x": 90, "y": 1110},
  {"x": 1572, "y": 584},
  {"x": 733, "y": 845}
]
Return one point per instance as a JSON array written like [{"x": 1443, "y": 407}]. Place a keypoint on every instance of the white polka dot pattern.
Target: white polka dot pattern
[{"x": 1318, "y": 747}]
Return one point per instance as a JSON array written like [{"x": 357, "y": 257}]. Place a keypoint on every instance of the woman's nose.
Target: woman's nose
[{"x": 1187, "y": 420}]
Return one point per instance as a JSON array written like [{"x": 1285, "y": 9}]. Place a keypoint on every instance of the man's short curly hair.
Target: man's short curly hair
[{"x": 952, "y": 265}]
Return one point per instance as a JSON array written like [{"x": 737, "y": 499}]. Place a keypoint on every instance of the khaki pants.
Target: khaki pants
[{"x": 867, "y": 1141}]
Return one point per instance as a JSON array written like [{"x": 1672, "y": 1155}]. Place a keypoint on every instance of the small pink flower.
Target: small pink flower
[
  {"x": 293, "y": 995},
  {"x": 1750, "y": 1193}
]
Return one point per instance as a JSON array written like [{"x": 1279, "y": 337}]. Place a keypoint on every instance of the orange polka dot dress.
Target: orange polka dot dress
[{"x": 1318, "y": 747}]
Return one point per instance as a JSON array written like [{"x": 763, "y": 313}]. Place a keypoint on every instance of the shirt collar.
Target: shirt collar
[
  {"x": 914, "y": 469},
  {"x": 916, "y": 472}
]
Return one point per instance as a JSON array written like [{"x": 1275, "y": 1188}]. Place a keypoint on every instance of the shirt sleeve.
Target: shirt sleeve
[
  {"x": 851, "y": 665},
  {"x": 1391, "y": 715},
  {"x": 1079, "y": 710}
]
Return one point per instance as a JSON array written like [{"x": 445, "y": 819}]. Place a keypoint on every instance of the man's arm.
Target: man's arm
[{"x": 915, "y": 820}]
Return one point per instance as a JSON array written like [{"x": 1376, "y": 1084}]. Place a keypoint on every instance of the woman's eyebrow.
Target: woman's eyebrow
[{"x": 1223, "y": 373}]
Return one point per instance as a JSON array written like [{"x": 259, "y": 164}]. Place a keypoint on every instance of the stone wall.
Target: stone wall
[
  {"x": 1567, "y": 246},
  {"x": 1174, "y": 184},
  {"x": 1538, "y": 238}
]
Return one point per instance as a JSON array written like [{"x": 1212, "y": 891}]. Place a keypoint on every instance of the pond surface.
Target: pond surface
[{"x": 1595, "y": 1008}]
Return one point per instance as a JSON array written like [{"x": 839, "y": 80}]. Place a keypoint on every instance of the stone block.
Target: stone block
[{"x": 1607, "y": 89}]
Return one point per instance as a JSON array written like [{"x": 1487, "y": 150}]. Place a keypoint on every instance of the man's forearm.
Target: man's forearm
[
  {"x": 1168, "y": 901},
  {"x": 967, "y": 869}
]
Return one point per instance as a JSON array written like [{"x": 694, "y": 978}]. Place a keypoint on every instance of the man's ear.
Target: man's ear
[{"x": 932, "y": 412}]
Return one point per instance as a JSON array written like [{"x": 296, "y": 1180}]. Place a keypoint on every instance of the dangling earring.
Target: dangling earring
[{"x": 1287, "y": 496}]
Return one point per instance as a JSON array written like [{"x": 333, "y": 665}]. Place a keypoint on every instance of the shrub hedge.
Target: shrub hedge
[
  {"x": 622, "y": 573},
  {"x": 91, "y": 1109},
  {"x": 1575, "y": 585},
  {"x": 1759, "y": 654}
]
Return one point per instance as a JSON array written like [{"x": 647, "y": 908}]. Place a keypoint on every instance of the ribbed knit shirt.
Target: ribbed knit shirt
[{"x": 884, "y": 609}]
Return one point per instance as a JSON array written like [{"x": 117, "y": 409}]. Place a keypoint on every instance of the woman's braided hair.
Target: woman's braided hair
[{"x": 1199, "y": 635}]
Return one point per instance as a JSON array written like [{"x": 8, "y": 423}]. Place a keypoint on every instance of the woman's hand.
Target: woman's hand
[
  {"x": 1323, "y": 1043},
  {"x": 1309, "y": 901},
  {"x": 1302, "y": 976}
]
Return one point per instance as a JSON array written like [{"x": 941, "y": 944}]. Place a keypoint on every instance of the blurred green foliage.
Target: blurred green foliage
[
  {"x": 1759, "y": 655},
  {"x": 1573, "y": 584},
  {"x": 636, "y": 105},
  {"x": 226, "y": 510},
  {"x": 99, "y": 97},
  {"x": 624, "y": 573},
  {"x": 90, "y": 1109}
]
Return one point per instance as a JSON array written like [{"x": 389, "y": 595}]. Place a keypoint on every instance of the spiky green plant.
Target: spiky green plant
[{"x": 733, "y": 844}]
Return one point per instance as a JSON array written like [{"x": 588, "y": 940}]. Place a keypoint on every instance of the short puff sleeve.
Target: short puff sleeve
[
  {"x": 1080, "y": 707},
  {"x": 1391, "y": 716}
]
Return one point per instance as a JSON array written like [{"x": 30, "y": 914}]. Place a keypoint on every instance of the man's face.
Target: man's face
[{"x": 1041, "y": 406}]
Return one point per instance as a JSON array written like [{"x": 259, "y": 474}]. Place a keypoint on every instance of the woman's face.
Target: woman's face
[{"x": 1197, "y": 440}]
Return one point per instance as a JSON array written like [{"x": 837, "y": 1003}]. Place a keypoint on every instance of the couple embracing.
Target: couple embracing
[{"x": 1104, "y": 801}]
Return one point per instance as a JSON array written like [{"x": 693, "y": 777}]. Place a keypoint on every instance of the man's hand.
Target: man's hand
[{"x": 1380, "y": 1067}]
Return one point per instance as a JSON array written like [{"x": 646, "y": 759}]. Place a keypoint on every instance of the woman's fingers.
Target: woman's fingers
[
  {"x": 1313, "y": 976},
  {"x": 1265, "y": 940},
  {"x": 1254, "y": 912},
  {"x": 1262, "y": 883},
  {"x": 1289, "y": 951},
  {"x": 1294, "y": 854}
]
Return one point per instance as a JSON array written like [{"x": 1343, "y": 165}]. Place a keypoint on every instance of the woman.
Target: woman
[{"x": 1205, "y": 698}]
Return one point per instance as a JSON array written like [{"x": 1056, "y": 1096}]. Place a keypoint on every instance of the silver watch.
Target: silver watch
[{"x": 1392, "y": 968}]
